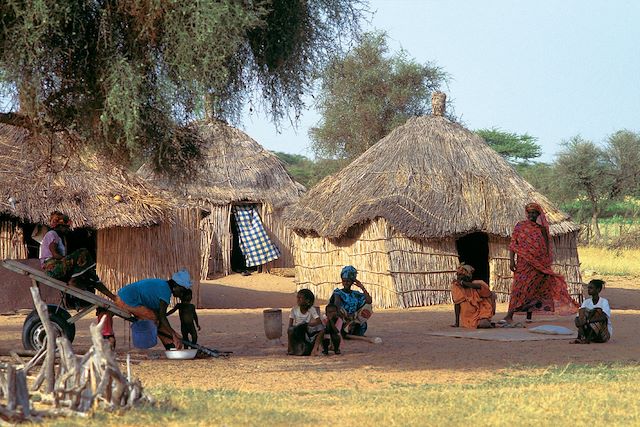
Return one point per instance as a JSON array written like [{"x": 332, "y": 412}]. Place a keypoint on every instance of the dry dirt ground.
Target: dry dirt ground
[{"x": 407, "y": 355}]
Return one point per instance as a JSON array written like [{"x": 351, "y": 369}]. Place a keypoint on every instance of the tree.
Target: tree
[
  {"x": 513, "y": 147},
  {"x": 623, "y": 152},
  {"x": 366, "y": 93},
  {"x": 129, "y": 75},
  {"x": 584, "y": 170},
  {"x": 306, "y": 171}
]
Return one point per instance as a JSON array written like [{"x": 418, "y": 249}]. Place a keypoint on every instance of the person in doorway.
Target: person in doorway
[
  {"x": 474, "y": 303},
  {"x": 149, "y": 298},
  {"x": 535, "y": 285},
  {"x": 354, "y": 307},
  {"x": 594, "y": 316}
]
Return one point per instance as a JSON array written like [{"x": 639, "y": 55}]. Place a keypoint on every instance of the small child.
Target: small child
[
  {"x": 594, "y": 316},
  {"x": 332, "y": 327},
  {"x": 188, "y": 317},
  {"x": 304, "y": 325}
]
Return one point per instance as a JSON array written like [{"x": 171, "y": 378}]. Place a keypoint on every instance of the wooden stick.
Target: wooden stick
[{"x": 43, "y": 313}]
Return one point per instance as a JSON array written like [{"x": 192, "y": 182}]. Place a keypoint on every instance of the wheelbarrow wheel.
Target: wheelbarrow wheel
[{"x": 33, "y": 333}]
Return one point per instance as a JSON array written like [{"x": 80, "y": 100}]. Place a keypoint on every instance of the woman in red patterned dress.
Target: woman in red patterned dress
[{"x": 535, "y": 285}]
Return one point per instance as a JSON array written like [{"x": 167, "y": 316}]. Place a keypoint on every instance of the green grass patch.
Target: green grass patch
[
  {"x": 613, "y": 262},
  {"x": 568, "y": 395}
]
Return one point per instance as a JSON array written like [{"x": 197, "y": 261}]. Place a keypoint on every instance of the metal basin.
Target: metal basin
[{"x": 181, "y": 354}]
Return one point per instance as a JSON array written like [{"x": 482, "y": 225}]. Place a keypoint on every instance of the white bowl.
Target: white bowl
[{"x": 181, "y": 354}]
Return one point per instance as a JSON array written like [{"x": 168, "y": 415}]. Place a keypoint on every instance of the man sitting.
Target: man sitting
[{"x": 474, "y": 303}]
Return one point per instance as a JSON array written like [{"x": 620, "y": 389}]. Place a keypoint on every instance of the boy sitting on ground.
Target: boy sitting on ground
[
  {"x": 305, "y": 326},
  {"x": 188, "y": 317},
  {"x": 594, "y": 316},
  {"x": 332, "y": 327}
]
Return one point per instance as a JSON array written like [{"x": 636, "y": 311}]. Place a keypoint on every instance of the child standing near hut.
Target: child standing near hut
[
  {"x": 188, "y": 317},
  {"x": 304, "y": 326}
]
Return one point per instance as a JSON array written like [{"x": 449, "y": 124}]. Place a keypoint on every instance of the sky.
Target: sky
[{"x": 549, "y": 68}]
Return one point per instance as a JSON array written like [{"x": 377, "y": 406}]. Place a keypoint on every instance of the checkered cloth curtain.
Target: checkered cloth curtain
[{"x": 255, "y": 244}]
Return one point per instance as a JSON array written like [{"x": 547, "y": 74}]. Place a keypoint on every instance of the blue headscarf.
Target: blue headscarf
[{"x": 349, "y": 272}]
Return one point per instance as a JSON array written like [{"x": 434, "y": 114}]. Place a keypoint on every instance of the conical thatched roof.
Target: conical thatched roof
[
  {"x": 236, "y": 168},
  {"x": 430, "y": 178},
  {"x": 45, "y": 173}
]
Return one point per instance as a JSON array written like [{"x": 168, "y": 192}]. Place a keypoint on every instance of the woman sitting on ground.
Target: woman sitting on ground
[
  {"x": 354, "y": 307},
  {"x": 594, "y": 316},
  {"x": 474, "y": 303},
  {"x": 77, "y": 268}
]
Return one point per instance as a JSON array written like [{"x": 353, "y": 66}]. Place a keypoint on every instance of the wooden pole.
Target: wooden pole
[{"x": 49, "y": 359}]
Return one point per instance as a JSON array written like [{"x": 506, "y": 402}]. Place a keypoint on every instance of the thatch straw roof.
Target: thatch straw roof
[
  {"x": 430, "y": 178},
  {"x": 45, "y": 173},
  {"x": 236, "y": 168}
]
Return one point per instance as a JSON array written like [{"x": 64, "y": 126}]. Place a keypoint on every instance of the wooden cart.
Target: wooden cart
[{"x": 33, "y": 334}]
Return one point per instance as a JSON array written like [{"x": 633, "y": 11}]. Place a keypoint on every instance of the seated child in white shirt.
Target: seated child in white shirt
[
  {"x": 594, "y": 316},
  {"x": 304, "y": 326}
]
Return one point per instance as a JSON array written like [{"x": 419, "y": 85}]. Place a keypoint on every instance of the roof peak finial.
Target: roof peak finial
[{"x": 438, "y": 103}]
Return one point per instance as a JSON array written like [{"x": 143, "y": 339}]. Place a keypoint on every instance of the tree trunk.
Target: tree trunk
[{"x": 594, "y": 222}]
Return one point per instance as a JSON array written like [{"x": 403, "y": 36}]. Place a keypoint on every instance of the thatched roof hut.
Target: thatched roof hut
[
  {"x": 237, "y": 170},
  {"x": 138, "y": 234},
  {"x": 429, "y": 194}
]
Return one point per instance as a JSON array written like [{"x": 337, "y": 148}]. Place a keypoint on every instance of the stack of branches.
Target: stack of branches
[{"x": 74, "y": 386}]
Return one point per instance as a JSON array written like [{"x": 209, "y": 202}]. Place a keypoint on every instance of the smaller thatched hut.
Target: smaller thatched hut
[
  {"x": 237, "y": 171},
  {"x": 133, "y": 226},
  {"x": 407, "y": 211}
]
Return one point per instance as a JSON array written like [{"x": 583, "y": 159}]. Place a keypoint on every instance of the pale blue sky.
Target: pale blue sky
[{"x": 552, "y": 68}]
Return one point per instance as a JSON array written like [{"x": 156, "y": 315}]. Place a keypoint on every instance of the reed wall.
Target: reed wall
[
  {"x": 12, "y": 242},
  {"x": 319, "y": 261},
  {"x": 280, "y": 235},
  {"x": 126, "y": 254},
  {"x": 422, "y": 270}
]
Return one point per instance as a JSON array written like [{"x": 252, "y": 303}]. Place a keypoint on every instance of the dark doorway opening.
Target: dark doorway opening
[
  {"x": 473, "y": 249},
  {"x": 238, "y": 263}
]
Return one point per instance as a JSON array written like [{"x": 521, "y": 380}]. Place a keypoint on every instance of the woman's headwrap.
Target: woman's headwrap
[
  {"x": 465, "y": 269},
  {"x": 58, "y": 218},
  {"x": 542, "y": 220},
  {"x": 349, "y": 272}
]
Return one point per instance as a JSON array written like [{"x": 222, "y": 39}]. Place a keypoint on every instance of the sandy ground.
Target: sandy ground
[{"x": 407, "y": 356}]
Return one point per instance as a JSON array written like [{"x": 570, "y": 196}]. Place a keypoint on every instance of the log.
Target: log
[{"x": 22, "y": 392}]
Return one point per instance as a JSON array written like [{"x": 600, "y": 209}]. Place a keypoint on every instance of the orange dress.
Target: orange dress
[{"x": 475, "y": 304}]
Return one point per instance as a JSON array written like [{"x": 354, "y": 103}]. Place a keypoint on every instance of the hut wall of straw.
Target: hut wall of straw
[
  {"x": 216, "y": 241},
  {"x": 422, "y": 270},
  {"x": 501, "y": 277},
  {"x": 12, "y": 242},
  {"x": 124, "y": 252},
  {"x": 280, "y": 235},
  {"x": 319, "y": 261}
]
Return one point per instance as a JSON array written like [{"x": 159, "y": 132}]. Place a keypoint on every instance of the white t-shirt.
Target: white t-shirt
[
  {"x": 602, "y": 304},
  {"x": 300, "y": 317}
]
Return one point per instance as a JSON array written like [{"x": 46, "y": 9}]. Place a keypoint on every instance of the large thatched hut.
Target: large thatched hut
[
  {"x": 237, "y": 171},
  {"x": 135, "y": 229},
  {"x": 429, "y": 194}
]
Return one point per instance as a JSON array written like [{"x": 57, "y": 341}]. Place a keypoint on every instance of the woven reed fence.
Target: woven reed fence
[
  {"x": 12, "y": 243},
  {"x": 128, "y": 254},
  {"x": 280, "y": 235},
  {"x": 404, "y": 272}
]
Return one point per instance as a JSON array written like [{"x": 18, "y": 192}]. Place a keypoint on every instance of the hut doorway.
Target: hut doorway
[
  {"x": 473, "y": 249},
  {"x": 238, "y": 263}
]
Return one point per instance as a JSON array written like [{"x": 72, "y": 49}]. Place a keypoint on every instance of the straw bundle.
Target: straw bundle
[
  {"x": 127, "y": 254},
  {"x": 396, "y": 212},
  {"x": 236, "y": 170}
]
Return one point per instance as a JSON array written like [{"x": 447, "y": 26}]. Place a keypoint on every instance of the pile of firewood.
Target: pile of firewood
[{"x": 73, "y": 386}]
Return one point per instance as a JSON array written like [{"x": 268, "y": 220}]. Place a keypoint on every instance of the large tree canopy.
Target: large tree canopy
[
  {"x": 129, "y": 75},
  {"x": 367, "y": 93}
]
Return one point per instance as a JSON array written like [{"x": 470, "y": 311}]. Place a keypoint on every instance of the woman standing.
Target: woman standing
[{"x": 535, "y": 285}]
